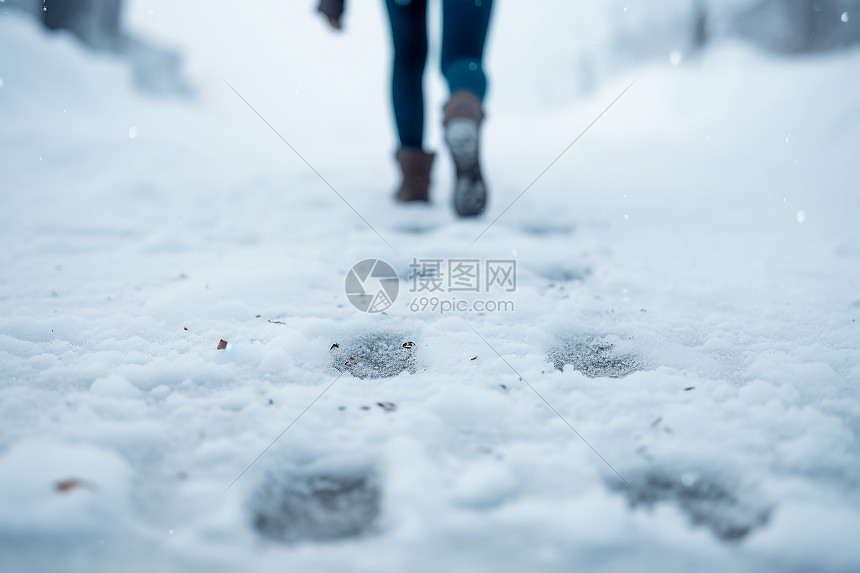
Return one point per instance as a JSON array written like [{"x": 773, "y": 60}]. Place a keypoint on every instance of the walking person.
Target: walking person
[{"x": 464, "y": 32}]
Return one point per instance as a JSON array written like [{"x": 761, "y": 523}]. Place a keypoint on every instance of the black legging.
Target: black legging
[{"x": 464, "y": 31}]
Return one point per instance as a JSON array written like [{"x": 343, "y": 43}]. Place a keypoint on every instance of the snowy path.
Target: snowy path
[{"x": 705, "y": 228}]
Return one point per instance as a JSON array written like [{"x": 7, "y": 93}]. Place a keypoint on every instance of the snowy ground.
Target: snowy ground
[{"x": 702, "y": 234}]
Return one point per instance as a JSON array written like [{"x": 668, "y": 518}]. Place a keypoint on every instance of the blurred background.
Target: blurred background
[
  {"x": 542, "y": 57},
  {"x": 86, "y": 65},
  {"x": 594, "y": 39}
]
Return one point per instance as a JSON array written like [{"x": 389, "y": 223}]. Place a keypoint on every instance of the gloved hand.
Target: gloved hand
[{"x": 333, "y": 11}]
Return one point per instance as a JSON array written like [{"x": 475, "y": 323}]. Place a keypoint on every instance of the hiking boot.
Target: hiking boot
[
  {"x": 463, "y": 117},
  {"x": 415, "y": 166}
]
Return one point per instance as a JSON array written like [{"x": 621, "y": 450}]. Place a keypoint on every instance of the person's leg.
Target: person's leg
[
  {"x": 464, "y": 32},
  {"x": 465, "y": 24},
  {"x": 409, "y": 35}
]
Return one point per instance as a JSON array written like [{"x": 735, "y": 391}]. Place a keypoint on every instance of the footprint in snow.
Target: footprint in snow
[
  {"x": 595, "y": 357},
  {"x": 705, "y": 501},
  {"x": 374, "y": 355},
  {"x": 293, "y": 507}
]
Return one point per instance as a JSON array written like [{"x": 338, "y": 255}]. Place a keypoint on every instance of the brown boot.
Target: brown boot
[
  {"x": 463, "y": 117},
  {"x": 415, "y": 166},
  {"x": 463, "y": 105}
]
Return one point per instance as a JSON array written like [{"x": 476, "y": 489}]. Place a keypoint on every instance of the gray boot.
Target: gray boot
[
  {"x": 463, "y": 117},
  {"x": 415, "y": 167}
]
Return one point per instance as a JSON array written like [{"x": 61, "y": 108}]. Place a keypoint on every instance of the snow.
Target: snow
[{"x": 665, "y": 247}]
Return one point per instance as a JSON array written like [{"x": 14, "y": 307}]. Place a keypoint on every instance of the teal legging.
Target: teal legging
[{"x": 464, "y": 31}]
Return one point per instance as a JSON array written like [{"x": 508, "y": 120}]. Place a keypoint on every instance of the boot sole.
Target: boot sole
[{"x": 470, "y": 192}]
